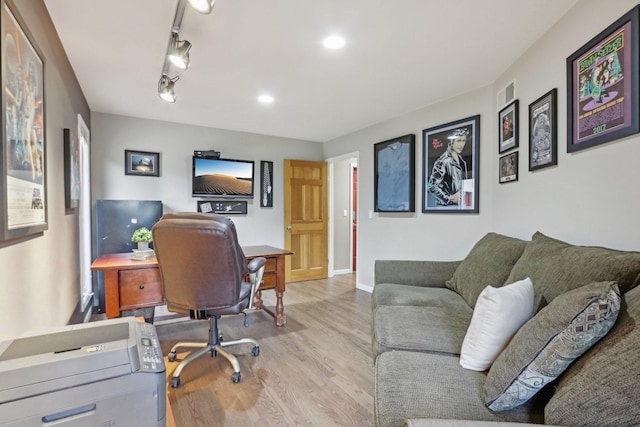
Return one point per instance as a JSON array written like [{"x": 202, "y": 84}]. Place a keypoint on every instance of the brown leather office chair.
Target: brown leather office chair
[{"x": 202, "y": 268}]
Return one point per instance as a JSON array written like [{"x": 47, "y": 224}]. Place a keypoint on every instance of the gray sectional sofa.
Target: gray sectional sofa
[{"x": 575, "y": 362}]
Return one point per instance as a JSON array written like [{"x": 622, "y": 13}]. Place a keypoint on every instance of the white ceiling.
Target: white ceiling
[{"x": 400, "y": 56}]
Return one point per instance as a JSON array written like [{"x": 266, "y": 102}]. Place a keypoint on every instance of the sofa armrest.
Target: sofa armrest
[
  {"x": 415, "y": 273},
  {"x": 428, "y": 422}
]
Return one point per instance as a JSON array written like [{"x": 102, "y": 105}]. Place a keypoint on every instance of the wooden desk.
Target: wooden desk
[{"x": 130, "y": 284}]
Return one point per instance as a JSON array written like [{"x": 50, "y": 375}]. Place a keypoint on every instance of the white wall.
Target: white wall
[
  {"x": 591, "y": 197},
  {"x": 112, "y": 134}
]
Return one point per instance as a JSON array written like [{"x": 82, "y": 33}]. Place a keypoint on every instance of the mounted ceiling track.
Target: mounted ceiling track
[{"x": 178, "y": 50}]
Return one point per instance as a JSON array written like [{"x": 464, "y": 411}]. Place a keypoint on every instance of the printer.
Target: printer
[{"x": 104, "y": 373}]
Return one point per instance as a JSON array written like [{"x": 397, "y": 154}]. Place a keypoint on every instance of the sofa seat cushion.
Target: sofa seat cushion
[
  {"x": 488, "y": 264},
  {"x": 425, "y": 329},
  {"x": 556, "y": 267},
  {"x": 548, "y": 343},
  {"x": 424, "y": 385},
  {"x": 400, "y": 295},
  {"x": 601, "y": 387}
]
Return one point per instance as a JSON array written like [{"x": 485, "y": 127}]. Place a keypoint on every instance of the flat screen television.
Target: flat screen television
[{"x": 228, "y": 178}]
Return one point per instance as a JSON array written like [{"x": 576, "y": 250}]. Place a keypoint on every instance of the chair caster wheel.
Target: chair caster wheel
[
  {"x": 171, "y": 356},
  {"x": 175, "y": 382},
  {"x": 256, "y": 351},
  {"x": 235, "y": 377}
]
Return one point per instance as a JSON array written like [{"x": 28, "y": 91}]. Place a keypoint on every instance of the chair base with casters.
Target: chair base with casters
[{"x": 214, "y": 346}]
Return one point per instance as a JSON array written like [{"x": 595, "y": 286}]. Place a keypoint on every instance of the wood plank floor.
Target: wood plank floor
[{"x": 316, "y": 370}]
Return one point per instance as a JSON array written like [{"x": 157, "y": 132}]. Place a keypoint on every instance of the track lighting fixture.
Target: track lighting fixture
[
  {"x": 203, "y": 6},
  {"x": 165, "y": 88},
  {"x": 178, "y": 52}
]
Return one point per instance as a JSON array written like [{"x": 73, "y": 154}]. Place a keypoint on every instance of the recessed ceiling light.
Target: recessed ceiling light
[
  {"x": 266, "y": 99},
  {"x": 333, "y": 42}
]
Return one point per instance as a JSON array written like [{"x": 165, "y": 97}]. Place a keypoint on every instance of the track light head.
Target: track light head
[
  {"x": 178, "y": 53},
  {"x": 165, "y": 88},
  {"x": 203, "y": 6}
]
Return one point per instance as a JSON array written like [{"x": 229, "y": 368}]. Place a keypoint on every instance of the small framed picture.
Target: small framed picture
[
  {"x": 508, "y": 127},
  {"x": 543, "y": 139},
  {"x": 141, "y": 163},
  {"x": 509, "y": 168}
]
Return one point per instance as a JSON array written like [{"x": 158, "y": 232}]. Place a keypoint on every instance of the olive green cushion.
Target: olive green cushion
[
  {"x": 488, "y": 264},
  {"x": 601, "y": 387},
  {"x": 545, "y": 346},
  {"x": 556, "y": 267}
]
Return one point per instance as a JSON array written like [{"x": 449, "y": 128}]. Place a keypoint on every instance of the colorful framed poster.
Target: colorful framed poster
[
  {"x": 508, "y": 127},
  {"x": 23, "y": 189},
  {"x": 394, "y": 175},
  {"x": 602, "y": 86},
  {"x": 543, "y": 134},
  {"x": 451, "y": 167}
]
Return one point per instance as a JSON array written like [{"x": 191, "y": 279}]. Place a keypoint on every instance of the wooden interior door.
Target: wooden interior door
[{"x": 305, "y": 220}]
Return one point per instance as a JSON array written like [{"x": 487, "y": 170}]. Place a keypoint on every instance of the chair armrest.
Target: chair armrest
[
  {"x": 415, "y": 273},
  {"x": 255, "y": 264}
]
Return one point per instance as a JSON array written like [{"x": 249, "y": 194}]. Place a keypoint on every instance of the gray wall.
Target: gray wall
[
  {"x": 40, "y": 276},
  {"x": 112, "y": 134},
  {"x": 592, "y": 197}
]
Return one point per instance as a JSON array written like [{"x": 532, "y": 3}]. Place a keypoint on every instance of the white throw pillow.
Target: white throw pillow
[{"x": 498, "y": 315}]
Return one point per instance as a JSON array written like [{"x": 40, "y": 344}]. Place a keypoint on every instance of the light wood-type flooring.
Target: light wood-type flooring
[{"x": 316, "y": 370}]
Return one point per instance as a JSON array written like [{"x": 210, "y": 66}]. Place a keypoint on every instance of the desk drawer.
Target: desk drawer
[
  {"x": 268, "y": 281},
  {"x": 140, "y": 288}
]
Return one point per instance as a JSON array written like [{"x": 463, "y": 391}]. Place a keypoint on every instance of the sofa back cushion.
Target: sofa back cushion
[
  {"x": 488, "y": 264},
  {"x": 556, "y": 267},
  {"x": 601, "y": 387},
  {"x": 547, "y": 344}
]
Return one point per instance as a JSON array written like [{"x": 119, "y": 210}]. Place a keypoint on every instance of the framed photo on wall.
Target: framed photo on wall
[
  {"x": 508, "y": 168},
  {"x": 509, "y": 127},
  {"x": 143, "y": 163},
  {"x": 266, "y": 184},
  {"x": 23, "y": 189},
  {"x": 602, "y": 86},
  {"x": 71, "y": 170},
  {"x": 394, "y": 175},
  {"x": 543, "y": 133},
  {"x": 450, "y": 167}
]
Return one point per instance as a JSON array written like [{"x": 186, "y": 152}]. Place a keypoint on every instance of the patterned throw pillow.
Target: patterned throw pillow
[{"x": 548, "y": 343}]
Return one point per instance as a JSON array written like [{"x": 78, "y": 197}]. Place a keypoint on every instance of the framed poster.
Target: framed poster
[
  {"x": 71, "y": 170},
  {"x": 543, "y": 134},
  {"x": 508, "y": 127},
  {"x": 508, "y": 171},
  {"x": 394, "y": 175},
  {"x": 23, "y": 189},
  {"x": 143, "y": 163},
  {"x": 602, "y": 86},
  {"x": 450, "y": 167}
]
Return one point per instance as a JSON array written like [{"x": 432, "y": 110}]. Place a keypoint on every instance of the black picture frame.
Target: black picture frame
[
  {"x": 266, "y": 184},
  {"x": 143, "y": 163},
  {"x": 23, "y": 189},
  {"x": 394, "y": 174},
  {"x": 603, "y": 86},
  {"x": 508, "y": 168},
  {"x": 437, "y": 145},
  {"x": 223, "y": 207},
  {"x": 71, "y": 170},
  {"x": 509, "y": 127},
  {"x": 543, "y": 131}
]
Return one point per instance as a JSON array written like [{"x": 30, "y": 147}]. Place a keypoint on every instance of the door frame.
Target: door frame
[{"x": 332, "y": 194}]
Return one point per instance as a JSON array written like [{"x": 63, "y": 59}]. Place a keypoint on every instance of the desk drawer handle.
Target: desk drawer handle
[{"x": 141, "y": 287}]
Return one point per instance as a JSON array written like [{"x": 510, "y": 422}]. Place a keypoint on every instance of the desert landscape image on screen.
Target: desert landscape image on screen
[{"x": 221, "y": 177}]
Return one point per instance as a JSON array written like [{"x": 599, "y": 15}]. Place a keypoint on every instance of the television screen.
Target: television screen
[{"x": 222, "y": 178}]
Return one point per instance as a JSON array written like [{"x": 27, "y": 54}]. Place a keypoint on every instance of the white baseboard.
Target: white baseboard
[
  {"x": 343, "y": 271},
  {"x": 366, "y": 288}
]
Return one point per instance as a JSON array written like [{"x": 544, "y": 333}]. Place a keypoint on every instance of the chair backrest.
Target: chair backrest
[{"x": 201, "y": 263}]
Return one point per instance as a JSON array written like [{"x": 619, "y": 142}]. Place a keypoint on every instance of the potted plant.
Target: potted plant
[{"x": 143, "y": 237}]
